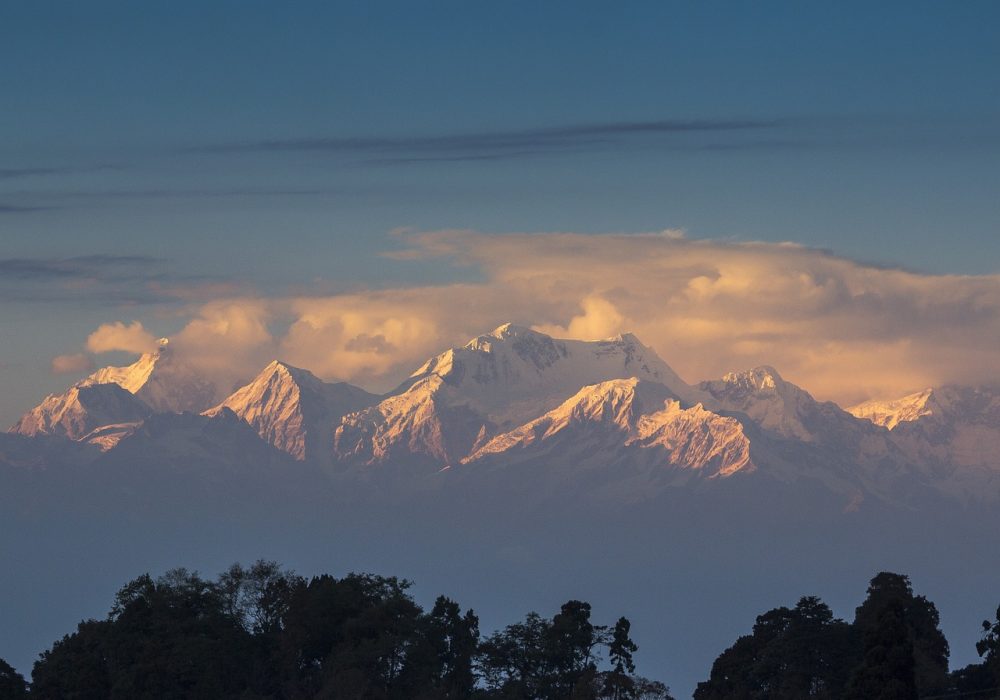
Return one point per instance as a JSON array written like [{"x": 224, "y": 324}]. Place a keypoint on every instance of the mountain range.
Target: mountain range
[{"x": 609, "y": 417}]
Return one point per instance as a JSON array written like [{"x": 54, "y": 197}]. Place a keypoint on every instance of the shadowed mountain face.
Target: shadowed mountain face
[
  {"x": 82, "y": 411},
  {"x": 515, "y": 471},
  {"x": 953, "y": 431}
]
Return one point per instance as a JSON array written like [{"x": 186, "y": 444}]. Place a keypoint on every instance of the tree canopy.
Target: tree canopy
[{"x": 263, "y": 632}]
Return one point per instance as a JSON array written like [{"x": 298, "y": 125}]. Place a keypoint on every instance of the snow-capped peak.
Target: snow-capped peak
[
  {"x": 507, "y": 330},
  {"x": 161, "y": 381},
  {"x": 131, "y": 377},
  {"x": 767, "y": 399},
  {"x": 294, "y": 410},
  {"x": 617, "y": 403},
  {"x": 495, "y": 382},
  {"x": 630, "y": 425},
  {"x": 762, "y": 379},
  {"x": 514, "y": 373},
  {"x": 80, "y": 410},
  {"x": 891, "y": 413}
]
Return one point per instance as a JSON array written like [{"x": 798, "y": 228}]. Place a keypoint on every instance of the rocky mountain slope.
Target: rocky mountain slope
[{"x": 294, "y": 410}]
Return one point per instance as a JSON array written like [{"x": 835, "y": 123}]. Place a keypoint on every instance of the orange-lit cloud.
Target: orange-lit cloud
[
  {"x": 118, "y": 336},
  {"x": 72, "y": 364},
  {"x": 842, "y": 329}
]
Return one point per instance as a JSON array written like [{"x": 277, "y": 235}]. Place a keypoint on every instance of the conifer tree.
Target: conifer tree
[{"x": 618, "y": 683}]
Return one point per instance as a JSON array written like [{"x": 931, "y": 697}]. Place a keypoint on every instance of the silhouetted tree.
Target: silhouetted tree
[
  {"x": 349, "y": 638},
  {"x": 261, "y": 632},
  {"x": 12, "y": 683},
  {"x": 922, "y": 622},
  {"x": 76, "y": 666},
  {"x": 973, "y": 681},
  {"x": 989, "y": 648},
  {"x": 646, "y": 689},
  {"x": 792, "y": 653},
  {"x": 172, "y": 638},
  {"x": 258, "y": 597},
  {"x": 512, "y": 661},
  {"x": 888, "y": 669},
  {"x": 557, "y": 659},
  {"x": 618, "y": 683},
  {"x": 440, "y": 665},
  {"x": 570, "y": 643}
]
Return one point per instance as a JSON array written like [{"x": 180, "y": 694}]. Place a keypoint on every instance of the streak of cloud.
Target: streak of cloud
[
  {"x": 493, "y": 145},
  {"x": 22, "y": 209},
  {"x": 41, "y": 171},
  {"x": 104, "y": 279}
]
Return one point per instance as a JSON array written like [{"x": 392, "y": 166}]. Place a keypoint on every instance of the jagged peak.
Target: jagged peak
[
  {"x": 292, "y": 372},
  {"x": 79, "y": 410},
  {"x": 759, "y": 383},
  {"x": 892, "y": 412},
  {"x": 762, "y": 377},
  {"x": 506, "y": 331},
  {"x": 624, "y": 339},
  {"x": 624, "y": 399}
]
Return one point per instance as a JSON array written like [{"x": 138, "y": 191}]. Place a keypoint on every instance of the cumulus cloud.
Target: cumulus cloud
[
  {"x": 72, "y": 364},
  {"x": 842, "y": 329},
  {"x": 131, "y": 338},
  {"x": 598, "y": 319},
  {"x": 228, "y": 340}
]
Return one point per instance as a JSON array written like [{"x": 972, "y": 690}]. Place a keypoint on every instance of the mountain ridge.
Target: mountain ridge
[{"x": 516, "y": 396}]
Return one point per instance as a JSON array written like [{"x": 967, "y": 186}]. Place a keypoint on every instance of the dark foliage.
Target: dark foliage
[
  {"x": 12, "y": 684},
  {"x": 262, "y": 632},
  {"x": 894, "y": 650},
  {"x": 792, "y": 653},
  {"x": 892, "y": 592},
  {"x": 888, "y": 670}
]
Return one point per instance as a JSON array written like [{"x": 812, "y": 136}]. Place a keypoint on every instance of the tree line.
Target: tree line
[
  {"x": 263, "y": 632},
  {"x": 893, "y": 650}
]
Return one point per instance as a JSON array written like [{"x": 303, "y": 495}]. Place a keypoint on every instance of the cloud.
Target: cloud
[
  {"x": 132, "y": 338},
  {"x": 599, "y": 319},
  {"x": 46, "y": 269},
  {"x": 22, "y": 209},
  {"x": 363, "y": 342},
  {"x": 38, "y": 171},
  {"x": 494, "y": 145},
  {"x": 72, "y": 364},
  {"x": 842, "y": 329},
  {"x": 104, "y": 279},
  {"x": 229, "y": 340}
]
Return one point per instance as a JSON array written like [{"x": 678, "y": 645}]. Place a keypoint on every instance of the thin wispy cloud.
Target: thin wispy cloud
[
  {"x": 104, "y": 279},
  {"x": 22, "y": 209},
  {"x": 108, "y": 266},
  {"x": 40, "y": 171},
  {"x": 233, "y": 193},
  {"x": 489, "y": 145},
  {"x": 11, "y": 173}
]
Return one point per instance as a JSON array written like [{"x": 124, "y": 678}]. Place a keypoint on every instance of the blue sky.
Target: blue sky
[{"x": 265, "y": 147}]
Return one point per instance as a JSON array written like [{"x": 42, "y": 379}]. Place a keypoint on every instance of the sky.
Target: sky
[{"x": 355, "y": 186}]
